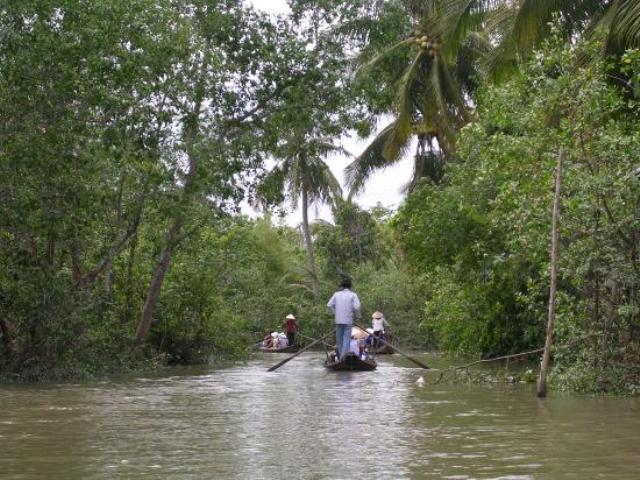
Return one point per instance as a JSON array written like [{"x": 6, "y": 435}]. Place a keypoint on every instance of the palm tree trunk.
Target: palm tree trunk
[
  {"x": 546, "y": 356},
  {"x": 309, "y": 245}
]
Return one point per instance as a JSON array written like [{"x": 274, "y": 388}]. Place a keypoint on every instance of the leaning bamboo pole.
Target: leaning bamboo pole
[{"x": 544, "y": 366}]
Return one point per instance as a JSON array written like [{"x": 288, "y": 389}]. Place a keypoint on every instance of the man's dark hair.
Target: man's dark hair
[{"x": 345, "y": 282}]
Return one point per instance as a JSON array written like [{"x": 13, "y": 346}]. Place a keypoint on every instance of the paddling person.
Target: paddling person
[
  {"x": 345, "y": 305},
  {"x": 291, "y": 327},
  {"x": 378, "y": 323}
]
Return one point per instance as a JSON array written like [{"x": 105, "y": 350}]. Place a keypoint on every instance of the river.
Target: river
[{"x": 302, "y": 422}]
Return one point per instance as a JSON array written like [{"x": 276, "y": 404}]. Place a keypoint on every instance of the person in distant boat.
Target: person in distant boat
[
  {"x": 345, "y": 306},
  {"x": 378, "y": 323},
  {"x": 274, "y": 341},
  {"x": 283, "y": 342},
  {"x": 269, "y": 341},
  {"x": 368, "y": 341},
  {"x": 291, "y": 327}
]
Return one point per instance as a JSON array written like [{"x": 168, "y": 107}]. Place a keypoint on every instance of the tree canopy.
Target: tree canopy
[{"x": 133, "y": 132}]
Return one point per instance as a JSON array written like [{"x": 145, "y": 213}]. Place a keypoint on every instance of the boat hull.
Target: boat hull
[
  {"x": 289, "y": 349},
  {"x": 351, "y": 363}
]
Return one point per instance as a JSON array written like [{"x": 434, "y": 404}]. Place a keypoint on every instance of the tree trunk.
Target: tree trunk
[
  {"x": 173, "y": 236},
  {"x": 309, "y": 245},
  {"x": 129, "y": 283},
  {"x": 118, "y": 245},
  {"x": 595, "y": 308},
  {"x": 8, "y": 339},
  {"x": 544, "y": 367},
  {"x": 156, "y": 285},
  {"x": 611, "y": 312}
]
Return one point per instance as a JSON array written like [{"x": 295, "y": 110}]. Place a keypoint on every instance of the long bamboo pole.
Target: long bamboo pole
[
  {"x": 395, "y": 349},
  {"x": 546, "y": 356}
]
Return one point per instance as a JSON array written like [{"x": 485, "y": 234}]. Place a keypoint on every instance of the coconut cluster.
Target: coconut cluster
[{"x": 425, "y": 43}]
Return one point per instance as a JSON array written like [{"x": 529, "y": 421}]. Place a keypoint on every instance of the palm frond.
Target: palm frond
[
  {"x": 459, "y": 18},
  {"x": 324, "y": 147},
  {"x": 440, "y": 102},
  {"x": 382, "y": 55},
  {"x": 403, "y": 126},
  {"x": 626, "y": 24},
  {"x": 371, "y": 159},
  {"x": 466, "y": 68},
  {"x": 454, "y": 106},
  {"x": 322, "y": 185}
]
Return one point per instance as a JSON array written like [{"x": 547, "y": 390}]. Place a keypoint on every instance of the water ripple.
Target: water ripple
[{"x": 304, "y": 422}]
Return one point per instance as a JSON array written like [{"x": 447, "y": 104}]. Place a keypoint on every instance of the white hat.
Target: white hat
[
  {"x": 377, "y": 315},
  {"x": 290, "y": 317}
]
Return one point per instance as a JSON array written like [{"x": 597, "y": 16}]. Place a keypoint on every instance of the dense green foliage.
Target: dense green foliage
[
  {"x": 132, "y": 132},
  {"x": 483, "y": 236},
  {"x": 127, "y": 128}
]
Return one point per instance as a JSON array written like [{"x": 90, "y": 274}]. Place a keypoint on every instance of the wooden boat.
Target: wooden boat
[
  {"x": 351, "y": 362},
  {"x": 287, "y": 349},
  {"x": 383, "y": 348}
]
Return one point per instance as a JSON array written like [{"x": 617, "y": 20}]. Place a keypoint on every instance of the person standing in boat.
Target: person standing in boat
[
  {"x": 345, "y": 305},
  {"x": 378, "y": 323},
  {"x": 291, "y": 327}
]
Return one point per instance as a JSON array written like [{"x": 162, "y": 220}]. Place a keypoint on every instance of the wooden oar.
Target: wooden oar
[
  {"x": 278, "y": 365},
  {"x": 324, "y": 343},
  {"x": 395, "y": 349}
]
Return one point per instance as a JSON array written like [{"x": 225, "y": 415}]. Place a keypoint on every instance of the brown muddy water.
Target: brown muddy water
[{"x": 302, "y": 422}]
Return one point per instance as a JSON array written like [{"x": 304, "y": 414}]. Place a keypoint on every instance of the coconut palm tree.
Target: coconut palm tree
[
  {"x": 432, "y": 94},
  {"x": 448, "y": 40},
  {"x": 306, "y": 178}
]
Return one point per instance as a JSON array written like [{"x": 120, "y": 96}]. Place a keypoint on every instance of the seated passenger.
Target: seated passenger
[
  {"x": 274, "y": 341},
  {"x": 354, "y": 346},
  {"x": 282, "y": 341}
]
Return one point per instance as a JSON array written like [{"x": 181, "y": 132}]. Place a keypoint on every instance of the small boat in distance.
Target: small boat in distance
[
  {"x": 351, "y": 362},
  {"x": 383, "y": 348},
  {"x": 287, "y": 349}
]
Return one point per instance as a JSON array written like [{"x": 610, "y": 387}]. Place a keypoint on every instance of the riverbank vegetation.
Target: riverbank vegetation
[{"x": 133, "y": 132}]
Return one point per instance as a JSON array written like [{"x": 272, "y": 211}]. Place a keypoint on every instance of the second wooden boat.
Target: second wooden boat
[{"x": 288, "y": 349}]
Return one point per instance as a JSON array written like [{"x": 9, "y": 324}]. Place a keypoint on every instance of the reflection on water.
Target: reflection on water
[{"x": 304, "y": 422}]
